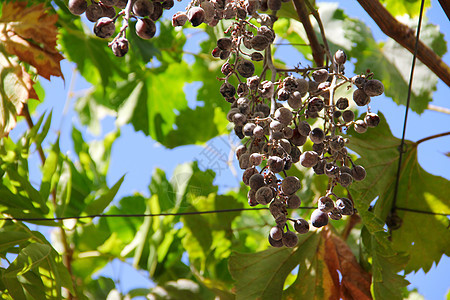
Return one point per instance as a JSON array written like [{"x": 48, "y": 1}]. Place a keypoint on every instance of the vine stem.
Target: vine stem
[
  {"x": 332, "y": 88},
  {"x": 303, "y": 15},
  {"x": 298, "y": 70},
  {"x": 439, "y": 109},
  {"x": 432, "y": 137},
  {"x": 272, "y": 78}
]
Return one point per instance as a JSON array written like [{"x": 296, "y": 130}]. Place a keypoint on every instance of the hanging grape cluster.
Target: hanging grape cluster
[
  {"x": 105, "y": 14},
  {"x": 277, "y": 115},
  {"x": 273, "y": 117}
]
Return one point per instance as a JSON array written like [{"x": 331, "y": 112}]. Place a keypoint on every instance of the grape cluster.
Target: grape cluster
[
  {"x": 272, "y": 142},
  {"x": 106, "y": 12},
  {"x": 275, "y": 117}
]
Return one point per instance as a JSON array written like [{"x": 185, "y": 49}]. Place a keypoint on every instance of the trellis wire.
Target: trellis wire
[
  {"x": 408, "y": 99},
  {"x": 182, "y": 214}
]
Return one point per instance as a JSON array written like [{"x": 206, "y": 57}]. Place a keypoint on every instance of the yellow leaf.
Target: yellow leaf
[
  {"x": 30, "y": 33},
  {"x": 16, "y": 87}
]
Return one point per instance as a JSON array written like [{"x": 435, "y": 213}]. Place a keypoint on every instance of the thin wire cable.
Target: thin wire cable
[
  {"x": 185, "y": 214},
  {"x": 423, "y": 211},
  {"x": 143, "y": 215},
  {"x": 133, "y": 215},
  {"x": 408, "y": 99}
]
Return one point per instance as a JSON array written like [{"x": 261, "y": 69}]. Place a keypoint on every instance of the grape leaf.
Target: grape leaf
[
  {"x": 355, "y": 282},
  {"x": 402, "y": 7},
  {"x": 320, "y": 257},
  {"x": 424, "y": 237},
  {"x": 386, "y": 263},
  {"x": 30, "y": 33},
  {"x": 15, "y": 89},
  {"x": 29, "y": 257}
]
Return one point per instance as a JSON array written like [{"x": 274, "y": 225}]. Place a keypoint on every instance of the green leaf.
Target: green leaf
[
  {"x": 100, "y": 287},
  {"x": 49, "y": 170},
  {"x": 387, "y": 284},
  {"x": 9, "y": 239},
  {"x": 145, "y": 106},
  {"x": 38, "y": 201},
  {"x": 262, "y": 275},
  {"x": 41, "y": 136},
  {"x": 98, "y": 206},
  {"x": 402, "y": 7},
  {"x": 199, "y": 228},
  {"x": 29, "y": 257},
  {"x": 417, "y": 190},
  {"x": 33, "y": 131},
  {"x": 95, "y": 61},
  {"x": 32, "y": 284},
  {"x": 139, "y": 98},
  {"x": 14, "y": 288},
  {"x": 386, "y": 264},
  {"x": 212, "y": 121},
  {"x": 160, "y": 187}
]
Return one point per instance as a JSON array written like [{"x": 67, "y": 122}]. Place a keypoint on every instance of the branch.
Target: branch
[
  {"x": 404, "y": 35},
  {"x": 432, "y": 137},
  {"x": 322, "y": 33},
  {"x": 446, "y": 7},
  {"x": 439, "y": 109},
  {"x": 316, "y": 48}
]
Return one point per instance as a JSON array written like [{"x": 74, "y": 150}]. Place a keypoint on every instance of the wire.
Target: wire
[
  {"x": 423, "y": 211},
  {"x": 184, "y": 214},
  {"x": 408, "y": 99},
  {"x": 133, "y": 215}
]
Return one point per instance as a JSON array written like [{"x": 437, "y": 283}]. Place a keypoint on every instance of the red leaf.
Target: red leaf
[
  {"x": 355, "y": 282},
  {"x": 31, "y": 34}
]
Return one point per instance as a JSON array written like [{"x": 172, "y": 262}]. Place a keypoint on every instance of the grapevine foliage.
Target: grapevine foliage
[{"x": 308, "y": 140}]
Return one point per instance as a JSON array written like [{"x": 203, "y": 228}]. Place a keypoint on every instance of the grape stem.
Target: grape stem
[
  {"x": 298, "y": 70},
  {"x": 126, "y": 12},
  {"x": 333, "y": 107}
]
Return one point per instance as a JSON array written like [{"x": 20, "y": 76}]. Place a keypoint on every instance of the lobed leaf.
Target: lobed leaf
[
  {"x": 30, "y": 33},
  {"x": 424, "y": 237}
]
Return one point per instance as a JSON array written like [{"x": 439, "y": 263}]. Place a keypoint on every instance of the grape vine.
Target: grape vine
[{"x": 272, "y": 116}]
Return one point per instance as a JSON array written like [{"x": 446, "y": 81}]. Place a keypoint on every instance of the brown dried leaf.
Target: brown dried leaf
[
  {"x": 355, "y": 282},
  {"x": 16, "y": 87},
  {"x": 30, "y": 33}
]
